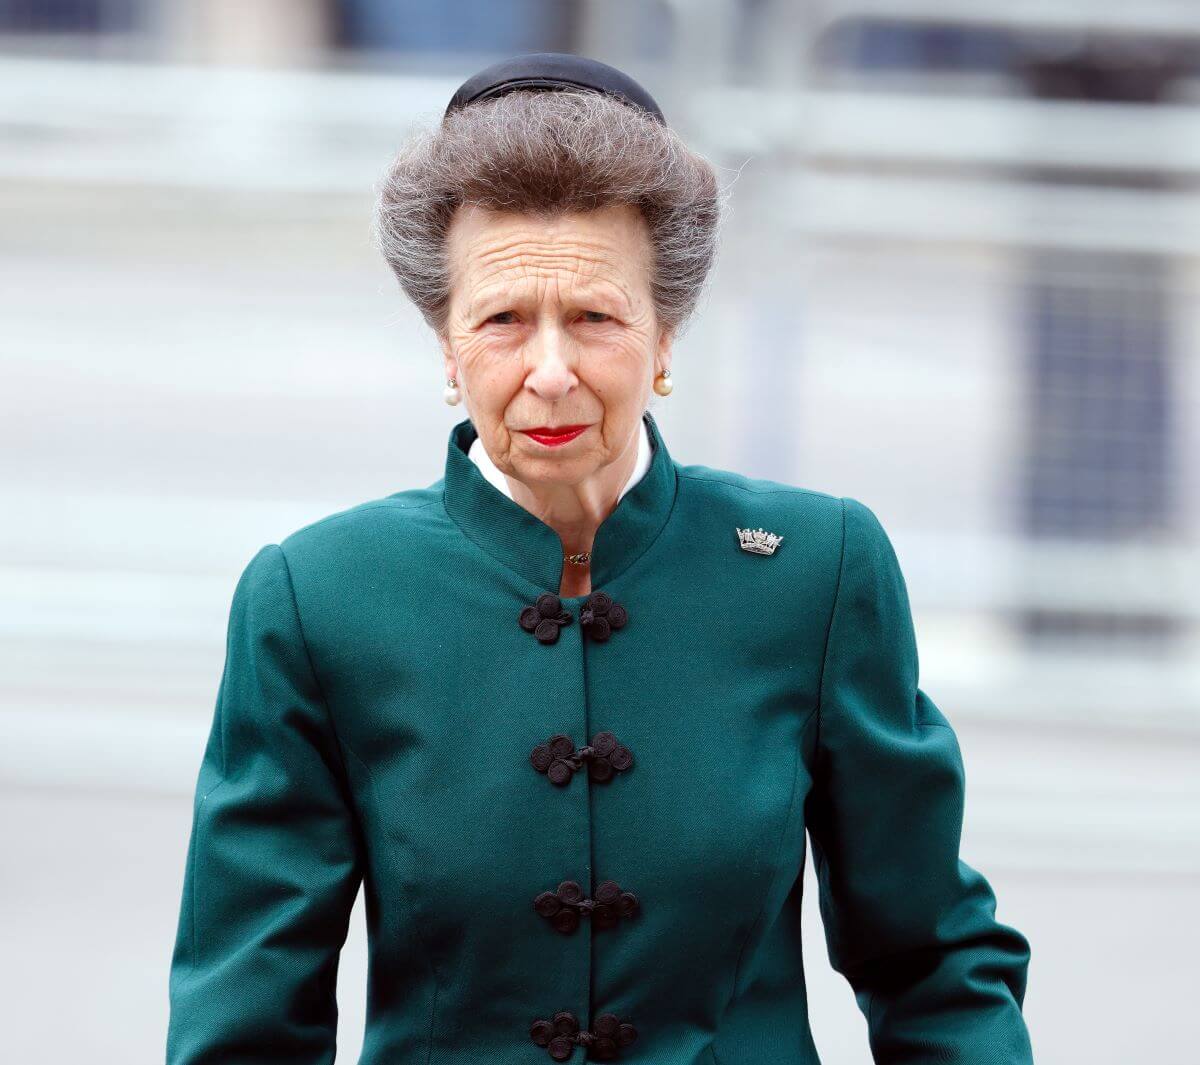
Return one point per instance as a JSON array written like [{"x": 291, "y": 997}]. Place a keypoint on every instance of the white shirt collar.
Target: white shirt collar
[{"x": 478, "y": 454}]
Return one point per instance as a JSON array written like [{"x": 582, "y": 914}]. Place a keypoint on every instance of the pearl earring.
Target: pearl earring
[
  {"x": 662, "y": 383},
  {"x": 451, "y": 394}
]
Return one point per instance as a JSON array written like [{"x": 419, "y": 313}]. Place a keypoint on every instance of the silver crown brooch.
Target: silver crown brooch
[{"x": 758, "y": 541}]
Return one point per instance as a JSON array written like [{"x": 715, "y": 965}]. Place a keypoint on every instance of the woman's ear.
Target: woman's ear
[
  {"x": 449, "y": 361},
  {"x": 664, "y": 351}
]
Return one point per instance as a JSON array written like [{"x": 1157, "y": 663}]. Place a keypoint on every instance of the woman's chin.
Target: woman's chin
[{"x": 554, "y": 467}]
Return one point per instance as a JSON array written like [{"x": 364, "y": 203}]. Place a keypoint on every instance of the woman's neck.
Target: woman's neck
[
  {"x": 576, "y": 511},
  {"x": 576, "y": 580}
]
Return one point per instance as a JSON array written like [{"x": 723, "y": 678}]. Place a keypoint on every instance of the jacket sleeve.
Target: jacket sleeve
[
  {"x": 273, "y": 860},
  {"x": 909, "y": 924}
]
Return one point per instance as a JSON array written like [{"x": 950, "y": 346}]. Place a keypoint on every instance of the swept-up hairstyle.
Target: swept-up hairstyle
[{"x": 546, "y": 153}]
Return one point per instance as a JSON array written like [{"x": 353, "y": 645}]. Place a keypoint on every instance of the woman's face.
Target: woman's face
[{"x": 551, "y": 323}]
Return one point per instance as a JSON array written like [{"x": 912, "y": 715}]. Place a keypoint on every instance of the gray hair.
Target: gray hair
[{"x": 546, "y": 153}]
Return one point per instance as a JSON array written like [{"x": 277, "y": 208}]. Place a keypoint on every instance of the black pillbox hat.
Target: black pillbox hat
[{"x": 553, "y": 70}]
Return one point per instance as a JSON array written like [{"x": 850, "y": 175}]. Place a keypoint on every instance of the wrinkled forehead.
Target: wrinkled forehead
[{"x": 593, "y": 252}]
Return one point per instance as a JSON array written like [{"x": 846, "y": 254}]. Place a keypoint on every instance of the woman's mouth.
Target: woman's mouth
[{"x": 553, "y": 436}]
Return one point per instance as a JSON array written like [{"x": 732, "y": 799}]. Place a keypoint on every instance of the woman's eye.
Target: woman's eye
[{"x": 508, "y": 317}]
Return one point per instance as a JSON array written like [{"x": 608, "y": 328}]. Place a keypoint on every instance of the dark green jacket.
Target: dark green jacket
[{"x": 387, "y": 717}]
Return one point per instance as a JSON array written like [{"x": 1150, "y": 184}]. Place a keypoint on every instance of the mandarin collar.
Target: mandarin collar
[{"x": 524, "y": 543}]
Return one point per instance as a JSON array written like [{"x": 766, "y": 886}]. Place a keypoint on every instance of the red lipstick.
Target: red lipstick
[{"x": 554, "y": 436}]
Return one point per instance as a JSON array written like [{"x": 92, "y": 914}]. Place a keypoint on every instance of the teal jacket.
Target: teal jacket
[{"x": 580, "y": 824}]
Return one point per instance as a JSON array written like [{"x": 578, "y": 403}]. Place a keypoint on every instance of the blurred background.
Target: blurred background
[{"x": 959, "y": 283}]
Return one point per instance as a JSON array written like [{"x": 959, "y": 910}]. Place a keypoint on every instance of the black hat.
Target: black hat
[{"x": 553, "y": 70}]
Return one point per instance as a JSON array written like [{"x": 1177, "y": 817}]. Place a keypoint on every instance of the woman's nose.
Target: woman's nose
[{"x": 551, "y": 364}]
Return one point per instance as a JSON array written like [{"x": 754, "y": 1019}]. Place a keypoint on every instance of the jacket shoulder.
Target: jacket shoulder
[
  {"x": 715, "y": 500},
  {"x": 365, "y": 521},
  {"x": 730, "y": 485}
]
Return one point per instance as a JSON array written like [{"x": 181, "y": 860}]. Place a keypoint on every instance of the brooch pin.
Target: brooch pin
[{"x": 758, "y": 541}]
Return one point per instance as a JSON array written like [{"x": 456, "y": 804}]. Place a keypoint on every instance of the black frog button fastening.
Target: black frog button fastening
[
  {"x": 609, "y": 1035},
  {"x": 558, "y": 758},
  {"x": 544, "y": 617},
  {"x": 610, "y": 904},
  {"x": 607, "y": 756},
  {"x": 558, "y": 1035},
  {"x": 565, "y": 907},
  {"x": 601, "y": 615},
  {"x": 561, "y": 1035}
]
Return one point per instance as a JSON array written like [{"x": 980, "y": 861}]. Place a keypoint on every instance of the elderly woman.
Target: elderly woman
[{"x": 567, "y": 713}]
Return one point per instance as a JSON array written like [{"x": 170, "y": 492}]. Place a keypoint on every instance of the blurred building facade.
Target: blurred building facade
[{"x": 965, "y": 248}]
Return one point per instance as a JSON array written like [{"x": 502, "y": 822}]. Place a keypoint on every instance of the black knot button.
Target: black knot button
[
  {"x": 558, "y": 1035},
  {"x": 609, "y": 1035},
  {"x": 559, "y": 759},
  {"x": 544, "y": 617},
  {"x": 561, "y": 1034},
  {"x": 601, "y": 615},
  {"x": 607, "y": 756},
  {"x": 564, "y": 908}
]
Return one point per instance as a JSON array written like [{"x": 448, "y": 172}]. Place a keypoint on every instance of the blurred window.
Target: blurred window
[
  {"x": 477, "y": 26},
  {"x": 1062, "y": 63},
  {"x": 69, "y": 16},
  {"x": 1098, "y": 462},
  {"x": 1098, "y": 445},
  {"x": 883, "y": 44}
]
